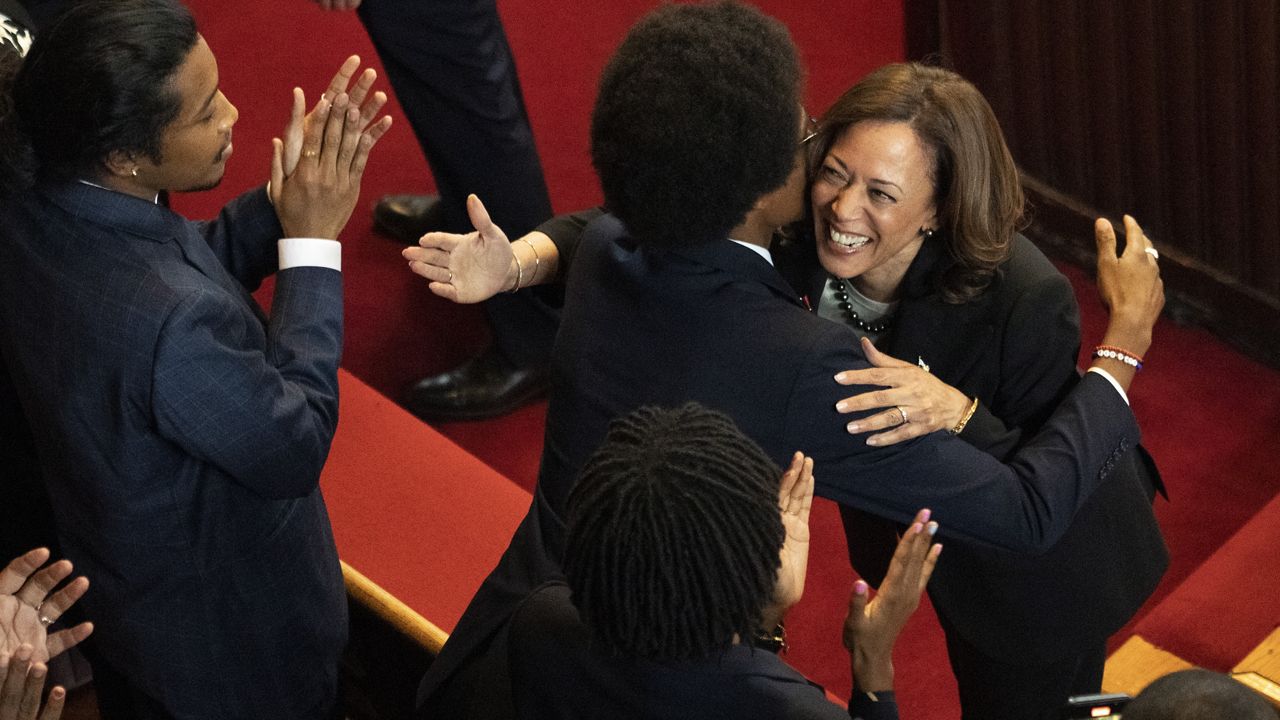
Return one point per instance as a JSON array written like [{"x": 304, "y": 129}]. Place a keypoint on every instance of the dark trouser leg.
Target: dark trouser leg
[
  {"x": 1020, "y": 688},
  {"x": 452, "y": 71}
]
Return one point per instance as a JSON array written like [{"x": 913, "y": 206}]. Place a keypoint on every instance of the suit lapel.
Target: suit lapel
[{"x": 148, "y": 222}]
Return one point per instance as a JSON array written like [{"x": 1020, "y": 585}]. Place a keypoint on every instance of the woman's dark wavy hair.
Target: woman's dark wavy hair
[
  {"x": 695, "y": 120},
  {"x": 977, "y": 192},
  {"x": 97, "y": 80},
  {"x": 674, "y": 535}
]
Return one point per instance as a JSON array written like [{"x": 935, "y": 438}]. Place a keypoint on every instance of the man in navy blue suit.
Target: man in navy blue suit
[
  {"x": 696, "y": 136},
  {"x": 180, "y": 431}
]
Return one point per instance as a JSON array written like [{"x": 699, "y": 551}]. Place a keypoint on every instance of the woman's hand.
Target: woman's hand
[
  {"x": 918, "y": 403},
  {"x": 467, "y": 268},
  {"x": 872, "y": 626}
]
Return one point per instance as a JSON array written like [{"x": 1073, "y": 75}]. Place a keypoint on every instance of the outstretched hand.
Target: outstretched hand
[
  {"x": 316, "y": 169},
  {"x": 466, "y": 268},
  {"x": 926, "y": 403},
  {"x": 28, "y": 606},
  {"x": 872, "y": 626}
]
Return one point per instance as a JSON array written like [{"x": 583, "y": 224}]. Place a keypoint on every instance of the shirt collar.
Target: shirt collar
[{"x": 761, "y": 251}]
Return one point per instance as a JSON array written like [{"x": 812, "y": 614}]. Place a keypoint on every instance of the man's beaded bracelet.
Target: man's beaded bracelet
[{"x": 1112, "y": 352}]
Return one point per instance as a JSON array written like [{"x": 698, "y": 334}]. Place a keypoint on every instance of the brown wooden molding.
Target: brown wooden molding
[{"x": 1196, "y": 293}]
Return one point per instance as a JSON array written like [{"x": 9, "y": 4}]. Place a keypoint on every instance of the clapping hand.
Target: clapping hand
[
  {"x": 316, "y": 169},
  {"x": 795, "y": 498},
  {"x": 28, "y": 605},
  {"x": 872, "y": 626}
]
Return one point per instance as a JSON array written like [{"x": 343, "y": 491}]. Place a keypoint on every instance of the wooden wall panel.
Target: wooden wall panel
[{"x": 1167, "y": 109}]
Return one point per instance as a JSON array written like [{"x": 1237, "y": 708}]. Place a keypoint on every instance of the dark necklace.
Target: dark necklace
[{"x": 841, "y": 288}]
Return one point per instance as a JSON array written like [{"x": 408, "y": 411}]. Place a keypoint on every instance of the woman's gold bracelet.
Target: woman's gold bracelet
[{"x": 973, "y": 407}]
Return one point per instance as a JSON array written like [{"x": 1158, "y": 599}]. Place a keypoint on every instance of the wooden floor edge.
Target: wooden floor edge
[
  {"x": 1136, "y": 664},
  {"x": 386, "y": 605}
]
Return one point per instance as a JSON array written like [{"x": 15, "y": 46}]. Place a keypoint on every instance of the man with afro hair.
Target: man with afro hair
[{"x": 697, "y": 137}]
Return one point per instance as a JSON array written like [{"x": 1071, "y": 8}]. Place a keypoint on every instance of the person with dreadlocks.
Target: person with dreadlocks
[
  {"x": 682, "y": 549},
  {"x": 697, "y": 136}
]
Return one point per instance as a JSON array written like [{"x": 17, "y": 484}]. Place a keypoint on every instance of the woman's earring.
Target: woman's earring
[
  {"x": 928, "y": 233},
  {"x": 135, "y": 172}
]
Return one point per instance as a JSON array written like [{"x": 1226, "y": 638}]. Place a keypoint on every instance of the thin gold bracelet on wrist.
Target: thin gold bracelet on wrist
[
  {"x": 537, "y": 260},
  {"x": 973, "y": 407},
  {"x": 519, "y": 271}
]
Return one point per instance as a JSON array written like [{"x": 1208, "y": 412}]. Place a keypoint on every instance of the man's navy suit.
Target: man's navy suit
[
  {"x": 181, "y": 434},
  {"x": 716, "y": 323}
]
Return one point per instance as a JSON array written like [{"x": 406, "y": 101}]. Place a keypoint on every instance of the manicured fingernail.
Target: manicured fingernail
[
  {"x": 873, "y": 440},
  {"x": 916, "y": 528},
  {"x": 933, "y": 528},
  {"x": 839, "y": 377},
  {"x": 57, "y": 693},
  {"x": 842, "y": 406},
  {"x": 925, "y": 514},
  {"x": 860, "y": 587},
  {"x": 853, "y": 427}
]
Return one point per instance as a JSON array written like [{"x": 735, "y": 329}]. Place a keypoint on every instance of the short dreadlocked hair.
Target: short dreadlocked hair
[
  {"x": 674, "y": 535},
  {"x": 695, "y": 120}
]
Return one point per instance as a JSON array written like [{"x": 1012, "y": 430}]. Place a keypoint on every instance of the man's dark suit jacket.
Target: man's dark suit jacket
[
  {"x": 182, "y": 434},
  {"x": 1014, "y": 347},
  {"x": 716, "y": 323},
  {"x": 558, "y": 674}
]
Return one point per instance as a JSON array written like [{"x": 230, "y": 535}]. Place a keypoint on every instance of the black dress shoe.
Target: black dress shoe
[
  {"x": 407, "y": 217},
  {"x": 485, "y": 386}
]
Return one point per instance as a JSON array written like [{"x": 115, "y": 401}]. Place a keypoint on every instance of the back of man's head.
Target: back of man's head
[
  {"x": 674, "y": 535},
  {"x": 696, "y": 118},
  {"x": 97, "y": 80},
  {"x": 1198, "y": 695}
]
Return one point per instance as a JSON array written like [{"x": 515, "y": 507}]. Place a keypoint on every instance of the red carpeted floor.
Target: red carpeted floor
[{"x": 1210, "y": 417}]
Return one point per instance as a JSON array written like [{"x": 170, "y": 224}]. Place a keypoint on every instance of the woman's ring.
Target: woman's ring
[
  {"x": 903, "y": 413},
  {"x": 1154, "y": 253},
  {"x": 310, "y": 154},
  {"x": 45, "y": 620},
  {"x": 450, "y": 277}
]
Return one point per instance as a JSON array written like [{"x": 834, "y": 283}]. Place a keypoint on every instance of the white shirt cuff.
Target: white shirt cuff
[
  {"x": 1111, "y": 380},
  {"x": 310, "y": 252}
]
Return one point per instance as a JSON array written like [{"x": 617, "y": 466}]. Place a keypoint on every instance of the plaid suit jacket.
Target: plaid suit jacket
[{"x": 181, "y": 434}]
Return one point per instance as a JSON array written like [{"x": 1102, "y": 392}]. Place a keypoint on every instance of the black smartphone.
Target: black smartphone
[{"x": 1101, "y": 706}]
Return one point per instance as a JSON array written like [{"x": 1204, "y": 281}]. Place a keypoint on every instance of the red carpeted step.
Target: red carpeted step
[
  {"x": 1229, "y": 604},
  {"x": 412, "y": 511}
]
